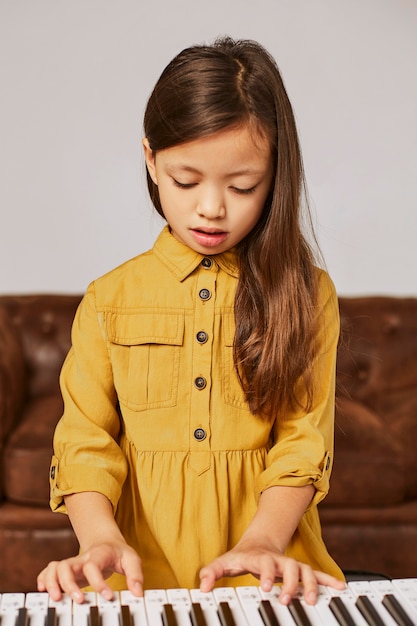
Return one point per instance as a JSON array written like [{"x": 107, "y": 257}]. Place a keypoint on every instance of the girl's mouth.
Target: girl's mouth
[{"x": 209, "y": 238}]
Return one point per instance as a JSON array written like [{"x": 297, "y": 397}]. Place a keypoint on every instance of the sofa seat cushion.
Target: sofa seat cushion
[{"x": 28, "y": 453}]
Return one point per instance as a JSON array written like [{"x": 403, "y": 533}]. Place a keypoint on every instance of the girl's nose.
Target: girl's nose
[{"x": 211, "y": 205}]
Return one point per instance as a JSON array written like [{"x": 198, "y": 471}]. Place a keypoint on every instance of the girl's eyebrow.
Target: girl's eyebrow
[{"x": 243, "y": 172}]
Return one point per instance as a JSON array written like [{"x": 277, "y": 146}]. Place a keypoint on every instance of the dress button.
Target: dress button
[
  {"x": 205, "y": 294},
  {"x": 200, "y": 382},
  {"x": 200, "y": 434},
  {"x": 201, "y": 336},
  {"x": 207, "y": 263}
]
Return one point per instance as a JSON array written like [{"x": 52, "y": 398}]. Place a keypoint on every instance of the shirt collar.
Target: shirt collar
[{"x": 182, "y": 260}]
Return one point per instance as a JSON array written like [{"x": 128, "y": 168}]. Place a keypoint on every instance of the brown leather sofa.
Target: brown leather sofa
[{"x": 370, "y": 516}]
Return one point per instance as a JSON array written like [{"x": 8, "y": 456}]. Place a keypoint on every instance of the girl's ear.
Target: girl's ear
[{"x": 150, "y": 159}]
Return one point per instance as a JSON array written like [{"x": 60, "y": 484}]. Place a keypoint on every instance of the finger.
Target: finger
[
  {"x": 210, "y": 573},
  {"x": 47, "y": 581},
  {"x": 94, "y": 576},
  {"x": 132, "y": 569},
  {"x": 267, "y": 569},
  {"x": 290, "y": 580},
  {"x": 310, "y": 585},
  {"x": 65, "y": 575},
  {"x": 329, "y": 581}
]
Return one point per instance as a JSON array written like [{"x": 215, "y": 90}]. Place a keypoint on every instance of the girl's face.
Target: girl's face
[{"x": 213, "y": 190}]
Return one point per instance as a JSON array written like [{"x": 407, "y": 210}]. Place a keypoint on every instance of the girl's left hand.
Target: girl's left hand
[{"x": 267, "y": 564}]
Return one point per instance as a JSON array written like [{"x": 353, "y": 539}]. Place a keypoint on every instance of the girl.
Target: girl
[{"x": 197, "y": 436}]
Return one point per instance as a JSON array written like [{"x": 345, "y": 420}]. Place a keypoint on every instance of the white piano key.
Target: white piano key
[
  {"x": 281, "y": 611},
  {"x": 109, "y": 610},
  {"x": 37, "y": 606},
  {"x": 349, "y": 599},
  {"x": 10, "y": 605},
  {"x": 63, "y": 610},
  {"x": 386, "y": 587},
  {"x": 136, "y": 606},
  {"x": 80, "y": 612},
  {"x": 181, "y": 602},
  {"x": 228, "y": 594},
  {"x": 406, "y": 588},
  {"x": 154, "y": 601},
  {"x": 249, "y": 598},
  {"x": 364, "y": 588},
  {"x": 208, "y": 604}
]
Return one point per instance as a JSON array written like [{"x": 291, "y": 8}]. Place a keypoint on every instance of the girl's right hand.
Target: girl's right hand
[{"x": 91, "y": 568}]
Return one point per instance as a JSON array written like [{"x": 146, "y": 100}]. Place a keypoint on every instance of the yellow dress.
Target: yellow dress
[{"x": 155, "y": 418}]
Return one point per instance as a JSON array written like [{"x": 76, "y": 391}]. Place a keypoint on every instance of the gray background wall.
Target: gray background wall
[{"x": 74, "y": 79}]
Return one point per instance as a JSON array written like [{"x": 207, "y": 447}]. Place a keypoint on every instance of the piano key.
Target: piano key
[
  {"x": 51, "y": 617},
  {"x": 225, "y": 613},
  {"x": 229, "y": 596},
  {"x": 126, "y": 618},
  {"x": 168, "y": 615},
  {"x": 340, "y": 611},
  {"x": 181, "y": 603},
  {"x": 396, "y": 610},
  {"x": 249, "y": 598},
  {"x": 369, "y": 612},
  {"x": 22, "y": 617},
  {"x": 63, "y": 610},
  {"x": 197, "y": 615},
  {"x": 372, "y": 594},
  {"x": 109, "y": 610},
  {"x": 386, "y": 588},
  {"x": 10, "y": 605},
  {"x": 136, "y": 607},
  {"x": 407, "y": 588},
  {"x": 93, "y": 616},
  {"x": 267, "y": 613},
  {"x": 154, "y": 601},
  {"x": 281, "y": 611},
  {"x": 81, "y": 612},
  {"x": 298, "y": 613},
  {"x": 208, "y": 606}
]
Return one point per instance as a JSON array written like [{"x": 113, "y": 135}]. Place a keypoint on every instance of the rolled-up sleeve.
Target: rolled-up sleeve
[
  {"x": 87, "y": 455},
  {"x": 303, "y": 450}
]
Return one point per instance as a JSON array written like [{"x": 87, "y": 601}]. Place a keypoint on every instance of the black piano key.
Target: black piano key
[
  {"x": 93, "y": 616},
  {"x": 168, "y": 615},
  {"x": 197, "y": 615},
  {"x": 267, "y": 613},
  {"x": 225, "y": 614},
  {"x": 22, "y": 617},
  {"x": 299, "y": 616},
  {"x": 396, "y": 611},
  {"x": 51, "y": 618},
  {"x": 369, "y": 612},
  {"x": 125, "y": 617},
  {"x": 340, "y": 611}
]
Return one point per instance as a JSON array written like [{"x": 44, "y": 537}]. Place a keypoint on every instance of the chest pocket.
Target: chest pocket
[
  {"x": 145, "y": 355},
  {"x": 232, "y": 390}
]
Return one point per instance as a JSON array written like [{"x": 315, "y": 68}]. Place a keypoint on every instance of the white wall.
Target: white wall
[{"x": 74, "y": 79}]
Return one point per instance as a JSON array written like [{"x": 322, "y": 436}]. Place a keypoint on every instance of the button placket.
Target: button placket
[{"x": 199, "y": 458}]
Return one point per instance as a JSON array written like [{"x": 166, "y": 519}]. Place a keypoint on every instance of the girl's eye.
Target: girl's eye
[
  {"x": 183, "y": 185},
  {"x": 244, "y": 191}
]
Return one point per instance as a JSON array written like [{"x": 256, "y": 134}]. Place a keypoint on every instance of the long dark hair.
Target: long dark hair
[{"x": 205, "y": 89}]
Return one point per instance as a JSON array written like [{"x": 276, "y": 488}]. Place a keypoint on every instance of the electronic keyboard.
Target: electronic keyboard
[{"x": 362, "y": 603}]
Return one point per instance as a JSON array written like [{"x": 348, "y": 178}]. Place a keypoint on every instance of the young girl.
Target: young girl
[{"x": 197, "y": 436}]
